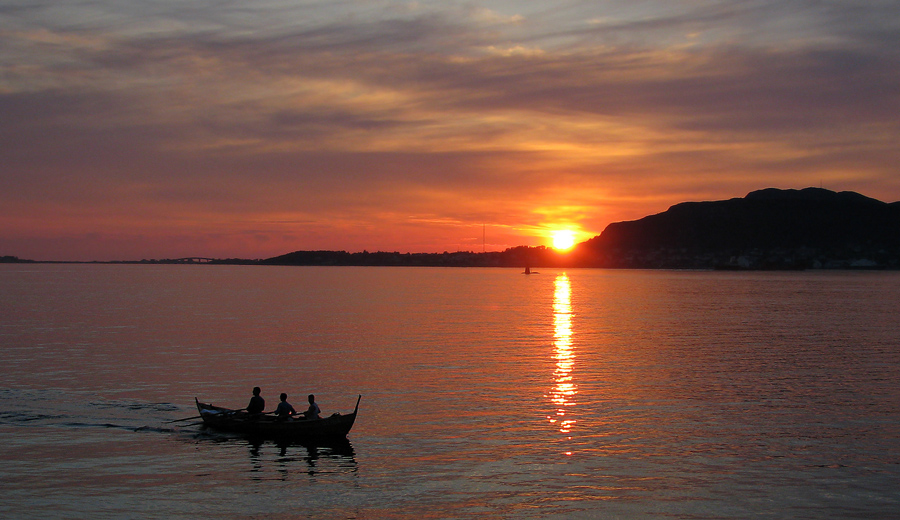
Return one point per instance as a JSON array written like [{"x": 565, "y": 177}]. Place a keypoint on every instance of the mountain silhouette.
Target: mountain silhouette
[{"x": 770, "y": 228}]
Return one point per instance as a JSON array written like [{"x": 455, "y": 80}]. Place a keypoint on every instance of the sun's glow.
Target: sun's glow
[
  {"x": 563, "y": 239},
  {"x": 564, "y": 390}
]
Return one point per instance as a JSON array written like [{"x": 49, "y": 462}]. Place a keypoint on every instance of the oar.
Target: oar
[
  {"x": 185, "y": 419},
  {"x": 194, "y": 424},
  {"x": 230, "y": 412}
]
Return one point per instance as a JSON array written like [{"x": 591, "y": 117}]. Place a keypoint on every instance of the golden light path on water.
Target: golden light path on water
[{"x": 564, "y": 389}]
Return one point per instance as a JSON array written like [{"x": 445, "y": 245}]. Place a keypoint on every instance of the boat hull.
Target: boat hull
[{"x": 336, "y": 426}]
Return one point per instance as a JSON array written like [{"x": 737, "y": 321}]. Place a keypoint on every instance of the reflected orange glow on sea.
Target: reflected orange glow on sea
[
  {"x": 581, "y": 393},
  {"x": 564, "y": 389}
]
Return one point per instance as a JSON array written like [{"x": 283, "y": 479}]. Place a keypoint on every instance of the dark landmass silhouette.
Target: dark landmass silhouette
[
  {"x": 813, "y": 228},
  {"x": 14, "y": 260},
  {"x": 769, "y": 229},
  {"x": 513, "y": 257}
]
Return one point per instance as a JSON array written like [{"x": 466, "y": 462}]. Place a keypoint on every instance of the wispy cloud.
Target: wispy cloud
[{"x": 373, "y": 124}]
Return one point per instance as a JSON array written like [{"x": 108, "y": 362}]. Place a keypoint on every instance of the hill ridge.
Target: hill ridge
[{"x": 768, "y": 228}]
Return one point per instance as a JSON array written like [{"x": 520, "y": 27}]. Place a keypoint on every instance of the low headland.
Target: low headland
[{"x": 769, "y": 229}]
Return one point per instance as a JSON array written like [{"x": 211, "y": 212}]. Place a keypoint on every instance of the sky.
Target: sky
[{"x": 133, "y": 129}]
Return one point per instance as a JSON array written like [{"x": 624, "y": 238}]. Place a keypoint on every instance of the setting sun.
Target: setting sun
[{"x": 563, "y": 239}]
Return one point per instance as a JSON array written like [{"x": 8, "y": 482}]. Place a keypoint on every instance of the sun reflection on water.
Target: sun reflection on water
[{"x": 564, "y": 388}]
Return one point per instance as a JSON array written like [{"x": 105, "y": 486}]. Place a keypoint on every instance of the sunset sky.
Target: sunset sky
[{"x": 135, "y": 129}]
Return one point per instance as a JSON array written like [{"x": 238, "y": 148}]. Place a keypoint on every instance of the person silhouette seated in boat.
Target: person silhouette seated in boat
[
  {"x": 284, "y": 411},
  {"x": 313, "y": 411},
  {"x": 257, "y": 403}
]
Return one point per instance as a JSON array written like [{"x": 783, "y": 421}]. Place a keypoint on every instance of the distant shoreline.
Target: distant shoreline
[
  {"x": 768, "y": 230},
  {"x": 459, "y": 259}
]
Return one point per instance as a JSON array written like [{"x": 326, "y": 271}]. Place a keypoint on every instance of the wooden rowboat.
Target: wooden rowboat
[{"x": 336, "y": 426}]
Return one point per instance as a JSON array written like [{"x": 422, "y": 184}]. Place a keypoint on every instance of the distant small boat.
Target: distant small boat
[{"x": 336, "y": 426}]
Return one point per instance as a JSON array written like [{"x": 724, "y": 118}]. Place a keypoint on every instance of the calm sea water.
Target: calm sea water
[{"x": 485, "y": 393}]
